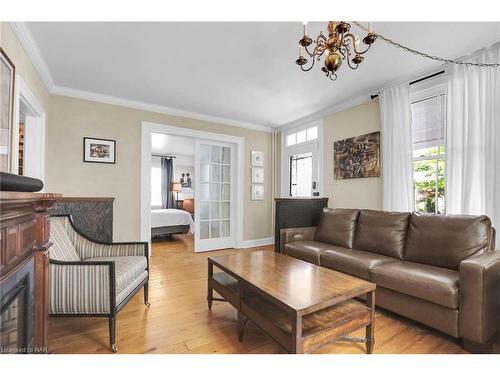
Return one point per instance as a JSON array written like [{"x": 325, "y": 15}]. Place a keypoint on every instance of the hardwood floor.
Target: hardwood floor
[{"x": 179, "y": 321}]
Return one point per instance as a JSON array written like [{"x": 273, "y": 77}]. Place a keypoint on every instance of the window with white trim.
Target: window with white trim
[
  {"x": 429, "y": 153},
  {"x": 302, "y": 136}
]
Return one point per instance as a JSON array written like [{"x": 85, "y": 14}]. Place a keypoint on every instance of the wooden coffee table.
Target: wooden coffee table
[{"x": 300, "y": 305}]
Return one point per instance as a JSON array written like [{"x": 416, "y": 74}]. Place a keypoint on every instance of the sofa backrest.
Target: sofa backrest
[
  {"x": 382, "y": 232},
  {"x": 336, "y": 226},
  {"x": 446, "y": 240}
]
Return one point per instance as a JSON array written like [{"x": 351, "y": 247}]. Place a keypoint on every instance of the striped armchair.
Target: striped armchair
[{"x": 90, "y": 278}]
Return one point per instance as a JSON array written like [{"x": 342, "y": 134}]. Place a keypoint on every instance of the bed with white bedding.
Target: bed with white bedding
[{"x": 171, "y": 221}]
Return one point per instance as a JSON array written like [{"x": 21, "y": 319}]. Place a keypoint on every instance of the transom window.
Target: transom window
[
  {"x": 428, "y": 147},
  {"x": 302, "y": 136}
]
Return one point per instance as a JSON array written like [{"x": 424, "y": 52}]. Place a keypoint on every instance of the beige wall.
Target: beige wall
[
  {"x": 22, "y": 62},
  {"x": 359, "y": 192},
  {"x": 72, "y": 119}
]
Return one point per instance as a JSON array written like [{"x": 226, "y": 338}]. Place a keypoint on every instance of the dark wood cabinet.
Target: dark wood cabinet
[
  {"x": 296, "y": 213},
  {"x": 92, "y": 215},
  {"x": 24, "y": 271}
]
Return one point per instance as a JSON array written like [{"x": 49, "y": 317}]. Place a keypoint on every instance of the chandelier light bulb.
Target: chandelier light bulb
[{"x": 304, "y": 24}]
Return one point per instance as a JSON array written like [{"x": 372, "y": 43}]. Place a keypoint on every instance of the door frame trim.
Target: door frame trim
[
  {"x": 147, "y": 128},
  {"x": 285, "y": 176},
  {"x": 24, "y": 94}
]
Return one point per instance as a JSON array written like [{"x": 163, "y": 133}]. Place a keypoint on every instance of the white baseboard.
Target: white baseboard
[{"x": 257, "y": 242}]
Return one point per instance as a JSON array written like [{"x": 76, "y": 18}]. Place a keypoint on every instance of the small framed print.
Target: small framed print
[
  {"x": 257, "y": 159},
  {"x": 98, "y": 150},
  {"x": 257, "y": 192},
  {"x": 257, "y": 175}
]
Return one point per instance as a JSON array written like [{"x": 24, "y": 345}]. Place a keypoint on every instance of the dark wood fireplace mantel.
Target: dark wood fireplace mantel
[{"x": 24, "y": 271}]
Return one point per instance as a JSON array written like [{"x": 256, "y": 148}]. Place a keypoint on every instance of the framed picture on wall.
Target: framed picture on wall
[
  {"x": 257, "y": 175},
  {"x": 98, "y": 150},
  {"x": 7, "y": 77},
  {"x": 257, "y": 159},
  {"x": 257, "y": 192}
]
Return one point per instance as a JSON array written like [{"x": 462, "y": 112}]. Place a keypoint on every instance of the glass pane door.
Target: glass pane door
[
  {"x": 213, "y": 196},
  {"x": 302, "y": 170},
  {"x": 301, "y": 175}
]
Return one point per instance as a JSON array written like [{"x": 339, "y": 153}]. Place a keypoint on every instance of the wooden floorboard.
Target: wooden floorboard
[{"x": 179, "y": 321}]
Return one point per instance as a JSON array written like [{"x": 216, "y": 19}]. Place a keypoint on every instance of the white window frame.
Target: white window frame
[
  {"x": 308, "y": 146},
  {"x": 425, "y": 90}
]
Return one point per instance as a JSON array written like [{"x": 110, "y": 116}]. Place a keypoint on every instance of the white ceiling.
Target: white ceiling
[
  {"x": 243, "y": 71},
  {"x": 172, "y": 145}
]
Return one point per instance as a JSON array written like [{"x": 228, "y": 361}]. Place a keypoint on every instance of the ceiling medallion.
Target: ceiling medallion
[{"x": 340, "y": 45}]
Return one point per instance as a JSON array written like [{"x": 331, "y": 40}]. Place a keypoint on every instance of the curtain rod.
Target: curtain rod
[
  {"x": 416, "y": 81},
  {"x": 164, "y": 156}
]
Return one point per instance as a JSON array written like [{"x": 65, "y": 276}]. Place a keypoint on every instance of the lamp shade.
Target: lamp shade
[{"x": 176, "y": 186}]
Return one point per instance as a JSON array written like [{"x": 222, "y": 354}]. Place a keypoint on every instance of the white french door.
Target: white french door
[
  {"x": 214, "y": 196},
  {"x": 301, "y": 163}
]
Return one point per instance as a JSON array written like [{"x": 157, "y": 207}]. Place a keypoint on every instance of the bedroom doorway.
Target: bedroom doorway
[{"x": 217, "y": 186}]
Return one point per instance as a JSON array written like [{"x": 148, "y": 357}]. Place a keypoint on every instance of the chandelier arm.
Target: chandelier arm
[
  {"x": 309, "y": 53},
  {"x": 349, "y": 62},
  {"x": 344, "y": 52},
  {"x": 353, "y": 39},
  {"x": 307, "y": 69}
]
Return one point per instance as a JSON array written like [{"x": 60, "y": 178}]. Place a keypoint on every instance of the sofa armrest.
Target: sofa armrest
[
  {"x": 296, "y": 234},
  {"x": 480, "y": 297},
  {"x": 82, "y": 288}
]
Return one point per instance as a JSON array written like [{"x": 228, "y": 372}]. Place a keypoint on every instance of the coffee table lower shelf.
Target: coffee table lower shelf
[{"x": 303, "y": 334}]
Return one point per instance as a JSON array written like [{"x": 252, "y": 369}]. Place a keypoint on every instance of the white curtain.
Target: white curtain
[
  {"x": 473, "y": 138},
  {"x": 396, "y": 148}
]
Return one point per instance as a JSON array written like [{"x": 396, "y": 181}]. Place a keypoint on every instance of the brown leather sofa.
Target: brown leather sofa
[{"x": 439, "y": 270}]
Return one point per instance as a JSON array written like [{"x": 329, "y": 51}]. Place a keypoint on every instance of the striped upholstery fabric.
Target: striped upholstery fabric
[
  {"x": 125, "y": 292},
  {"x": 62, "y": 247},
  {"x": 127, "y": 269},
  {"x": 79, "y": 289},
  {"x": 89, "y": 249}
]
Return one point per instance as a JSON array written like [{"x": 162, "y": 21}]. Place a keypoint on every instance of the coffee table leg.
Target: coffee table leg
[
  {"x": 370, "y": 329},
  {"x": 210, "y": 291},
  {"x": 297, "y": 334},
  {"x": 242, "y": 321}
]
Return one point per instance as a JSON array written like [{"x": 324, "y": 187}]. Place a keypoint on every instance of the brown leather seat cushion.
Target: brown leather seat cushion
[
  {"x": 433, "y": 284},
  {"x": 382, "y": 232},
  {"x": 337, "y": 226},
  {"x": 354, "y": 262},
  {"x": 444, "y": 241},
  {"x": 306, "y": 250}
]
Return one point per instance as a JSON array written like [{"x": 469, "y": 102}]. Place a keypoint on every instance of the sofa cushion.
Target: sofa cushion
[
  {"x": 433, "y": 284},
  {"x": 382, "y": 232},
  {"x": 336, "y": 226},
  {"x": 62, "y": 248},
  {"x": 306, "y": 250},
  {"x": 446, "y": 240},
  {"x": 354, "y": 262},
  {"x": 127, "y": 269}
]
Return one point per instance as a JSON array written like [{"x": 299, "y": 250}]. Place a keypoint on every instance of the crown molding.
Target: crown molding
[
  {"x": 325, "y": 112},
  {"x": 28, "y": 43},
  {"x": 122, "y": 102}
]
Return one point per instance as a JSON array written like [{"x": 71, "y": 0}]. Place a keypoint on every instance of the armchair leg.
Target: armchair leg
[
  {"x": 146, "y": 295},
  {"x": 112, "y": 330}
]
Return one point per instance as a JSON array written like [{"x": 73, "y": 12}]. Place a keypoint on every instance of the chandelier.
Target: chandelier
[{"x": 340, "y": 45}]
